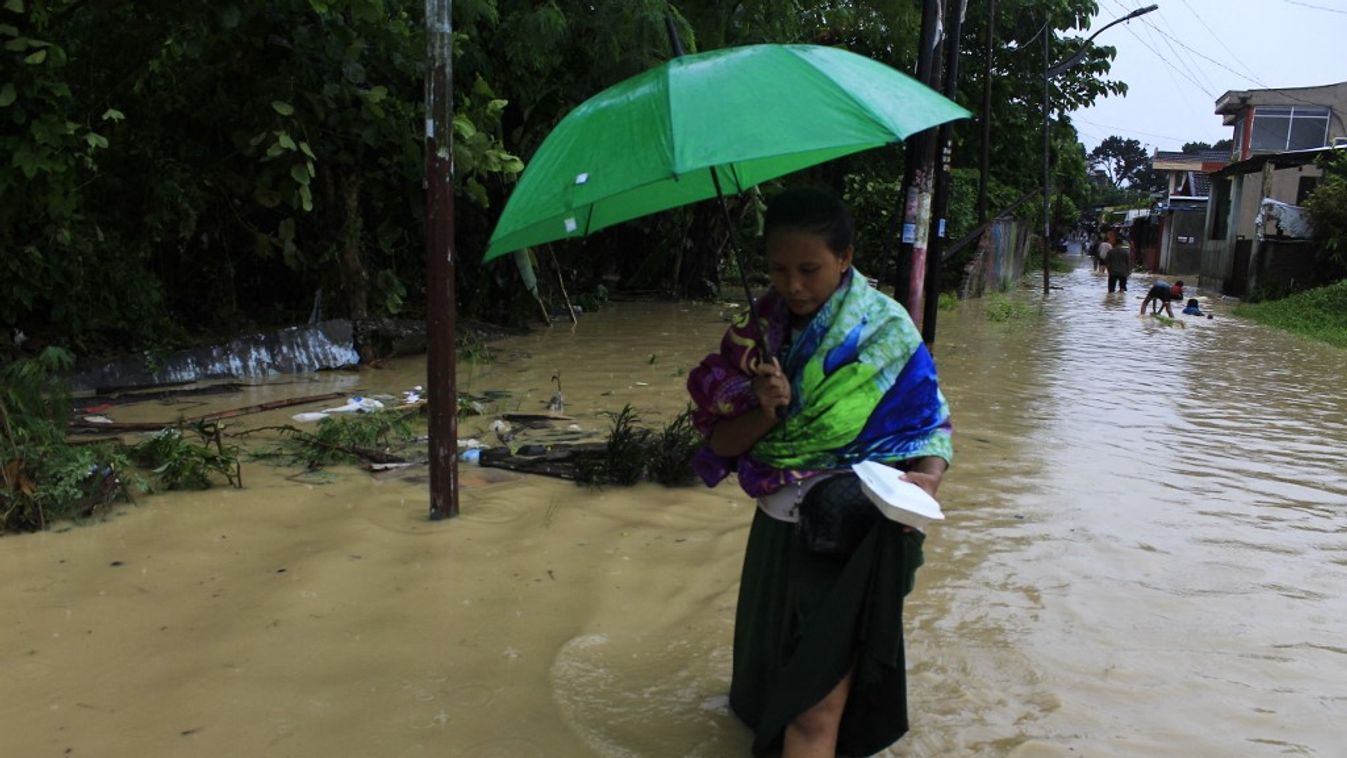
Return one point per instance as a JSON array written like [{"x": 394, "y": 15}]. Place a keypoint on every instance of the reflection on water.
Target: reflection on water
[{"x": 1143, "y": 556}]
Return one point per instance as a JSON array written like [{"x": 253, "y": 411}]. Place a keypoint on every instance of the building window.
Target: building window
[{"x": 1277, "y": 128}]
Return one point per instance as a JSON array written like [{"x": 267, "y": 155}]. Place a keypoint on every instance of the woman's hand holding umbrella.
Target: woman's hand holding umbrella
[{"x": 772, "y": 388}]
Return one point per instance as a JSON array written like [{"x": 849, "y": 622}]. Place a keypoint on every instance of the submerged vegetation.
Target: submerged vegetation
[
  {"x": 1320, "y": 314},
  {"x": 633, "y": 454},
  {"x": 1002, "y": 307},
  {"x": 177, "y": 462},
  {"x": 348, "y": 439}
]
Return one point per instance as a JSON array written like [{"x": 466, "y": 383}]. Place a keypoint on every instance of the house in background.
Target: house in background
[
  {"x": 1183, "y": 211},
  {"x": 1278, "y": 134},
  {"x": 1283, "y": 120}
]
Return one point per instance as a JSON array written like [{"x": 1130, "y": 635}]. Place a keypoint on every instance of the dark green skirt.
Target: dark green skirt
[{"x": 803, "y": 622}]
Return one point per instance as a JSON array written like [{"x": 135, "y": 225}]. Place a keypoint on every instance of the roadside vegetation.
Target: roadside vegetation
[
  {"x": 1002, "y": 307},
  {"x": 178, "y": 176},
  {"x": 42, "y": 478},
  {"x": 1319, "y": 313}
]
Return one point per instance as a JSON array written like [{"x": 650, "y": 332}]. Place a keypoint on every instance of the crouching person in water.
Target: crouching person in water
[
  {"x": 818, "y": 639},
  {"x": 1160, "y": 295}
]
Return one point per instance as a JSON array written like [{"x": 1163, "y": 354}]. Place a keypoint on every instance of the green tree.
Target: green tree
[
  {"x": 1126, "y": 163},
  {"x": 1198, "y": 147}
]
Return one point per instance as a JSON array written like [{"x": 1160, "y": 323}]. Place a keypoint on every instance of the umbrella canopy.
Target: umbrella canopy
[{"x": 749, "y": 114}]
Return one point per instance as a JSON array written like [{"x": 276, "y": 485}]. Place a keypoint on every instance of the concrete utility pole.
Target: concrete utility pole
[
  {"x": 917, "y": 180},
  {"x": 940, "y": 206},
  {"x": 442, "y": 390}
]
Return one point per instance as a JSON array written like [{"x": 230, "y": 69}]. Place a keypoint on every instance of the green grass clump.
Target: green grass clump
[
  {"x": 1002, "y": 308},
  {"x": 949, "y": 301},
  {"x": 1320, "y": 313}
]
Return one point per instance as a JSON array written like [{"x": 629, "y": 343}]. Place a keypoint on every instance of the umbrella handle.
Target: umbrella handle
[{"x": 763, "y": 352}]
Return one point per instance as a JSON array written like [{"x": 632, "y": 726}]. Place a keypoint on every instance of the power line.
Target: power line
[
  {"x": 1242, "y": 76},
  {"x": 1128, "y": 131},
  {"x": 1317, "y": 7},
  {"x": 1192, "y": 62},
  {"x": 1160, "y": 57},
  {"x": 1217, "y": 37},
  {"x": 1182, "y": 44}
]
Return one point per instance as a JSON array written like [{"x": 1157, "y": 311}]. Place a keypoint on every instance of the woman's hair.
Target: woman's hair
[
  {"x": 813, "y": 211},
  {"x": 1192, "y": 302}
]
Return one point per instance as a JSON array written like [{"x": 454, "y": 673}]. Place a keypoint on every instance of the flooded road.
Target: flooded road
[{"x": 1143, "y": 556}]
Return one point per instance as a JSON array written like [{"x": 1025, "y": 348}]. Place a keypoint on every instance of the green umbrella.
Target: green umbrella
[{"x": 728, "y": 118}]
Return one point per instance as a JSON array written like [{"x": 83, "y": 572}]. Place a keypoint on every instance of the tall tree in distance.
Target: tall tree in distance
[{"x": 1126, "y": 163}]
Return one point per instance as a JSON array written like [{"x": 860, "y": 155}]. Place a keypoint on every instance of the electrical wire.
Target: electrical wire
[
  {"x": 1316, "y": 7},
  {"x": 1192, "y": 61},
  {"x": 1078, "y": 117},
  {"x": 1185, "y": 72},
  {"x": 1218, "y": 39},
  {"x": 1285, "y": 92}
]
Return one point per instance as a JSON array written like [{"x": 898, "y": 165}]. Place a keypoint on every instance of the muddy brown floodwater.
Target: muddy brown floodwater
[{"x": 1144, "y": 555}]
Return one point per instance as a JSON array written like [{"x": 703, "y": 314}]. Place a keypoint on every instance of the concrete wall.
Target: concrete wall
[
  {"x": 1284, "y": 266},
  {"x": 999, "y": 262},
  {"x": 1285, "y": 184},
  {"x": 1217, "y": 262}
]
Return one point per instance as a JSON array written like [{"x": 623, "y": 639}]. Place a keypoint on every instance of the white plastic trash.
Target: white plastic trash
[{"x": 357, "y": 404}]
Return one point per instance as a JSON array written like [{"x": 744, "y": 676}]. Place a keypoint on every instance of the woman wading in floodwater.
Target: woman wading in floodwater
[{"x": 818, "y": 639}]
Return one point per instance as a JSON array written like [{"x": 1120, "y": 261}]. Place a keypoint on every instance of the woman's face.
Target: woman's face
[{"x": 804, "y": 270}]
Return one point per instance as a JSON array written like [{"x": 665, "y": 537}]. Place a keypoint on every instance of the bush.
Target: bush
[
  {"x": 42, "y": 478},
  {"x": 1327, "y": 206}
]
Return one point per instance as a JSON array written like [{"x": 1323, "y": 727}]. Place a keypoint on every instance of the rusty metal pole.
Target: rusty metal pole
[{"x": 440, "y": 380}]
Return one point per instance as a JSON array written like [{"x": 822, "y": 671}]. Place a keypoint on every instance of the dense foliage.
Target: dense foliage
[
  {"x": 204, "y": 168},
  {"x": 1327, "y": 206}
]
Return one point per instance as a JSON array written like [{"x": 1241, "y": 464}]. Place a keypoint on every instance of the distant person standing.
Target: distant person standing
[
  {"x": 1098, "y": 249},
  {"x": 1118, "y": 260}
]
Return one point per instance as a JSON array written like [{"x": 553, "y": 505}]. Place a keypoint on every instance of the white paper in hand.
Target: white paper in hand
[{"x": 898, "y": 499}]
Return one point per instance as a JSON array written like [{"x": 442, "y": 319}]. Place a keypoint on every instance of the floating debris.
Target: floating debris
[{"x": 558, "y": 402}]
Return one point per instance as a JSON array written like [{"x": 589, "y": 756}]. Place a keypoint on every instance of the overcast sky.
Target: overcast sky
[{"x": 1179, "y": 59}]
